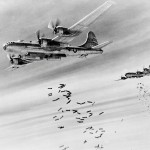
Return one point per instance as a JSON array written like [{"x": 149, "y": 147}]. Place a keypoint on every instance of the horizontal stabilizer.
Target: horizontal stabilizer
[{"x": 102, "y": 45}]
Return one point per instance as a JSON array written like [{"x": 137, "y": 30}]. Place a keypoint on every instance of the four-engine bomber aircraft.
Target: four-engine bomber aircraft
[{"x": 21, "y": 53}]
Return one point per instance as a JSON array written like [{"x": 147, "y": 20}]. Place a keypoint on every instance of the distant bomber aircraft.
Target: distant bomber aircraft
[
  {"x": 138, "y": 74},
  {"x": 21, "y": 53}
]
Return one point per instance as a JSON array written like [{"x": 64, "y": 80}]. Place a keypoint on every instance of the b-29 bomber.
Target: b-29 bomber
[
  {"x": 138, "y": 74},
  {"x": 21, "y": 53}
]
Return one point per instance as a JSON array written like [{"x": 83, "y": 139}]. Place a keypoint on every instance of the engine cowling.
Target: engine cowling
[
  {"x": 17, "y": 61},
  {"x": 59, "y": 30}
]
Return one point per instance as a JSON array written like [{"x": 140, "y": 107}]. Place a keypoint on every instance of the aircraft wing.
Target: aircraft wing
[{"x": 86, "y": 21}]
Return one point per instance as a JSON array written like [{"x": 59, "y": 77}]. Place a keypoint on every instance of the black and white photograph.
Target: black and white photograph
[{"x": 74, "y": 75}]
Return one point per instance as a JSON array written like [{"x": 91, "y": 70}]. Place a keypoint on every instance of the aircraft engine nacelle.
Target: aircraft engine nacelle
[
  {"x": 17, "y": 61},
  {"x": 44, "y": 42},
  {"x": 59, "y": 31}
]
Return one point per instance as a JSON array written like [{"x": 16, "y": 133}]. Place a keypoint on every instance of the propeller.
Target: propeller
[
  {"x": 53, "y": 26},
  {"x": 10, "y": 58},
  {"x": 38, "y": 36}
]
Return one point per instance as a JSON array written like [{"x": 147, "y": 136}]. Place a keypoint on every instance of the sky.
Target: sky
[{"x": 26, "y": 110}]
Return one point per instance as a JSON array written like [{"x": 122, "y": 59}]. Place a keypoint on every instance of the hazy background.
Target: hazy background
[{"x": 26, "y": 111}]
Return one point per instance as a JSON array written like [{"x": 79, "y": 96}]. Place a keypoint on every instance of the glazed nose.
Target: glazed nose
[{"x": 4, "y": 46}]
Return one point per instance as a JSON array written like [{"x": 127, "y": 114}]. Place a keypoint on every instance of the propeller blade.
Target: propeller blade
[
  {"x": 57, "y": 22},
  {"x": 53, "y": 32},
  {"x": 10, "y": 59},
  {"x": 51, "y": 25},
  {"x": 38, "y": 34}
]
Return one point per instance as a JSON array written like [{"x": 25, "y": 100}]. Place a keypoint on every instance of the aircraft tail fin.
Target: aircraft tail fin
[{"x": 91, "y": 41}]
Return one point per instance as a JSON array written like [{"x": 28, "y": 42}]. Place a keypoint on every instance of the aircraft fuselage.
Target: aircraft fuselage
[{"x": 36, "y": 52}]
